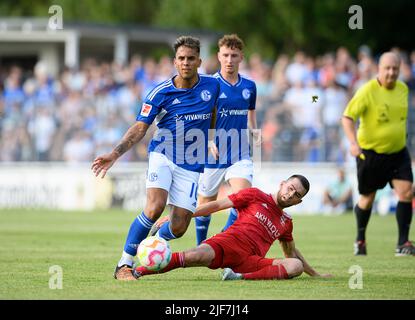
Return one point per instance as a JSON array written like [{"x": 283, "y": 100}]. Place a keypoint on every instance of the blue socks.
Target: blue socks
[
  {"x": 138, "y": 231},
  {"x": 233, "y": 214},
  {"x": 165, "y": 232},
  {"x": 202, "y": 226}
]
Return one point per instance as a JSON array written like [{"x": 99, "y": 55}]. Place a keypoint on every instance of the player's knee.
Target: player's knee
[
  {"x": 295, "y": 267},
  {"x": 154, "y": 210},
  {"x": 178, "y": 229}
]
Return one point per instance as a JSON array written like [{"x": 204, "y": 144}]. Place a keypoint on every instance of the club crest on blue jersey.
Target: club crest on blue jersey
[
  {"x": 205, "y": 95},
  {"x": 246, "y": 94}
]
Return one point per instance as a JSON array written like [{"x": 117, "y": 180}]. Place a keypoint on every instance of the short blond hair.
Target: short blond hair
[{"x": 231, "y": 41}]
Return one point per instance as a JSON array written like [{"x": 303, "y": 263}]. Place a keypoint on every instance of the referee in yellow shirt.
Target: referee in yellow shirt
[{"x": 381, "y": 105}]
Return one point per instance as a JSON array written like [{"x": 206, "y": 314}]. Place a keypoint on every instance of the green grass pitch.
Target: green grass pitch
[{"x": 87, "y": 245}]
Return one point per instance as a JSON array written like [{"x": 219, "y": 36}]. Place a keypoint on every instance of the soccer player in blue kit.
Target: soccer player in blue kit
[
  {"x": 230, "y": 155},
  {"x": 184, "y": 110}
]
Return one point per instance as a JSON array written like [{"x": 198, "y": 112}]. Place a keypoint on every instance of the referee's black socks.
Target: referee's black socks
[
  {"x": 403, "y": 217},
  {"x": 362, "y": 219}
]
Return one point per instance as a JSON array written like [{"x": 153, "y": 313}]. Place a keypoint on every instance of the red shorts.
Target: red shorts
[{"x": 230, "y": 255}]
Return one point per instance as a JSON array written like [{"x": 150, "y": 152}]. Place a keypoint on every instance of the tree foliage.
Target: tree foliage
[
  {"x": 316, "y": 26},
  {"x": 267, "y": 26}
]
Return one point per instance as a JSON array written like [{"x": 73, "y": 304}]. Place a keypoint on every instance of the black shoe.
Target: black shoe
[
  {"x": 124, "y": 273},
  {"x": 407, "y": 249},
  {"x": 360, "y": 248}
]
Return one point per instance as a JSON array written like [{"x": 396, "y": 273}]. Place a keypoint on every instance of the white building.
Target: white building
[{"x": 27, "y": 40}]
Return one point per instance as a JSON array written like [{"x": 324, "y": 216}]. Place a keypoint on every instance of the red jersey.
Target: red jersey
[{"x": 260, "y": 222}]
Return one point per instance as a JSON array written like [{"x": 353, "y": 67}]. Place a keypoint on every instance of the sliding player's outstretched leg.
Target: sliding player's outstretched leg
[
  {"x": 278, "y": 270},
  {"x": 200, "y": 256}
]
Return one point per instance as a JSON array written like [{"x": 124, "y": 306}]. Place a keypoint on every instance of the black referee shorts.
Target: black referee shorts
[{"x": 376, "y": 170}]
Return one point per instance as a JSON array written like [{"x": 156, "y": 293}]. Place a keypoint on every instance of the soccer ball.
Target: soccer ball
[{"x": 154, "y": 253}]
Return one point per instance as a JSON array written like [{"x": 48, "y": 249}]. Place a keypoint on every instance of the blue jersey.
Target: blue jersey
[
  {"x": 183, "y": 118},
  {"x": 232, "y": 121}
]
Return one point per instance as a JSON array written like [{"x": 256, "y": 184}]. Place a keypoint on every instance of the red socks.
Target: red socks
[
  {"x": 268, "y": 273},
  {"x": 177, "y": 261}
]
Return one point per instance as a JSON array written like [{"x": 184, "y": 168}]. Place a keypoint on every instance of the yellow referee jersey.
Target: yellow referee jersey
[{"x": 382, "y": 115}]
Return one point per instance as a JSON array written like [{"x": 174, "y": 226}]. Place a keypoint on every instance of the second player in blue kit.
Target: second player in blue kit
[{"x": 235, "y": 119}]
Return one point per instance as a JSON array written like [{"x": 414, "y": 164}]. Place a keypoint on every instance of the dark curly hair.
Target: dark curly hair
[{"x": 187, "y": 41}]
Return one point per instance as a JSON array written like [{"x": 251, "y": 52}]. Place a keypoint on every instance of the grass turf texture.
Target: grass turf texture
[{"x": 87, "y": 245}]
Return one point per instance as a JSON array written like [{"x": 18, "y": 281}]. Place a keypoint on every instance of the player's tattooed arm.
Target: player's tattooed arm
[
  {"x": 134, "y": 135},
  {"x": 103, "y": 163}
]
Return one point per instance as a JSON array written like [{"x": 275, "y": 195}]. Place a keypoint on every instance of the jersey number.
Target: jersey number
[{"x": 193, "y": 191}]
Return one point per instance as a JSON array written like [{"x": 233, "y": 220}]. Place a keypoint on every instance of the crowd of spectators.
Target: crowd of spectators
[{"x": 82, "y": 113}]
